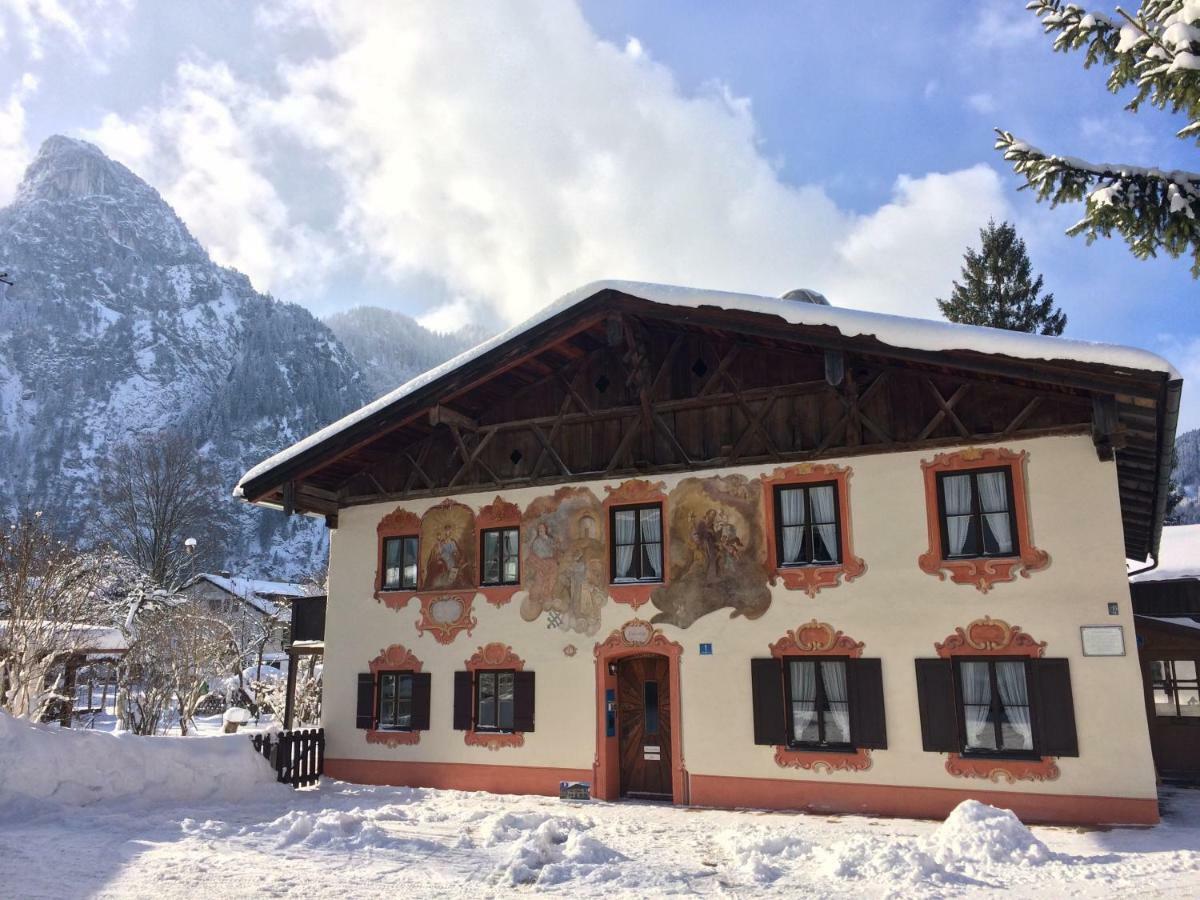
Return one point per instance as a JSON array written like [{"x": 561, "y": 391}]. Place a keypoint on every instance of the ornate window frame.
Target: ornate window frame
[
  {"x": 985, "y": 571},
  {"x": 811, "y": 579},
  {"x": 815, "y": 638},
  {"x": 498, "y": 514},
  {"x": 396, "y": 658},
  {"x": 994, "y": 637},
  {"x": 400, "y": 522},
  {"x": 496, "y": 656},
  {"x": 637, "y": 492}
]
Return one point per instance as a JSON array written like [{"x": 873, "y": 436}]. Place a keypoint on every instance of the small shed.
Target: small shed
[{"x": 1166, "y": 605}]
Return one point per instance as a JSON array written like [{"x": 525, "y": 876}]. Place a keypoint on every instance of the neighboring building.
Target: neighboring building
[
  {"x": 1166, "y": 604},
  {"x": 744, "y": 551},
  {"x": 253, "y": 605}
]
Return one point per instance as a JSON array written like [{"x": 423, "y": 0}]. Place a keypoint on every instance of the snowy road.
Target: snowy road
[{"x": 347, "y": 841}]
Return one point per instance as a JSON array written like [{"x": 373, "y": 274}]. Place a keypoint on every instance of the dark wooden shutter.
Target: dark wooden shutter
[
  {"x": 770, "y": 716},
  {"x": 462, "y": 701},
  {"x": 420, "y": 701},
  {"x": 864, "y": 684},
  {"x": 1053, "y": 708},
  {"x": 523, "y": 701},
  {"x": 938, "y": 705},
  {"x": 365, "y": 717}
]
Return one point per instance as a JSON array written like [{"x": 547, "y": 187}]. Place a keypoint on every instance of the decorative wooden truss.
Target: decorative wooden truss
[
  {"x": 396, "y": 658},
  {"x": 982, "y": 572},
  {"x": 400, "y": 522},
  {"x": 628, "y": 493},
  {"x": 497, "y": 514},
  {"x": 995, "y": 637},
  {"x": 445, "y": 615},
  {"x": 815, "y": 638},
  {"x": 491, "y": 657},
  {"x": 811, "y": 579}
]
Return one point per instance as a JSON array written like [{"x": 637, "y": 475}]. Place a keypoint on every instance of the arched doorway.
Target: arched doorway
[{"x": 639, "y": 746}]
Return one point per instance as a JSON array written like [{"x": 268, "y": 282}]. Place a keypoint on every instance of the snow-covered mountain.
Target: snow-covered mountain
[
  {"x": 120, "y": 324},
  {"x": 392, "y": 348},
  {"x": 1187, "y": 477}
]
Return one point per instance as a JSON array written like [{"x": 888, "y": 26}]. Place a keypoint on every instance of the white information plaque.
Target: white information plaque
[{"x": 1102, "y": 640}]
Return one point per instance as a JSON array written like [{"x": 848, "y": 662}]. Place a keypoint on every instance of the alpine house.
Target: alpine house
[{"x": 727, "y": 550}]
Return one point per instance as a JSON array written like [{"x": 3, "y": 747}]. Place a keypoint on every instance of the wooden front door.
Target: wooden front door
[{"x": 644, "y": 726}]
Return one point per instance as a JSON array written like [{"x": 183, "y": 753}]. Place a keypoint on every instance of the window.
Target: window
[
  {"x": 501, "y": 555},
  {"x": 818, "y": 703},
  {"x": 637, "y": 550},
  {"x": 494, "y": 700},
  {"x": 1175, "y": 687},
  {"x": 400, "y": 563},
  {"x": 994, "y": 701},
  {"x": 395, "y": 700},
  {"x": 976, "y": 511},
  {"x": 807, "y": 531}
]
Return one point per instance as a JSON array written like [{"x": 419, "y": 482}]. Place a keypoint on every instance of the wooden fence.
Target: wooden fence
[{"x": 298, "y": 757}]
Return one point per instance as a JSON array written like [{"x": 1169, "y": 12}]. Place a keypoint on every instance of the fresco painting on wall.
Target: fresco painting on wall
[
  {"x": 563, "y": 560},
  {"x": 718, "y": 559},
  {"x": 447, "y": 547}
]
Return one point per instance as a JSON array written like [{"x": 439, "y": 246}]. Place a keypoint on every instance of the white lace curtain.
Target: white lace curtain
[
  {"x": 511, "y": 548},
  {"x": 977, "y": 699},
  {"x": 956, "y": 494},
  {"x": 626, "y": 525},
  {"x": 804, "y": 701},
  {"x": 837, "y": 723},
  {"x": 824, "y": 522},
  {"x": 791, "y": 504},
  {"x": 652, "y": 539},
  {"x": 1014, "y": 694},
  {"x": 993, "y": 498}
]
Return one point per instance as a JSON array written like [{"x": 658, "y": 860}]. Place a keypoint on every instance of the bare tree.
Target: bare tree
[
  {"x": 155, "y": 493},
  {"x": 50, "y": 608}
]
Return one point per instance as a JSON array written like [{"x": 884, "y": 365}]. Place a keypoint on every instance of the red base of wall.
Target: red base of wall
[
  {"x": 915, "y": 802},
  {"x": 455, "y": 776},
  {"x": 762, "y": 793}
]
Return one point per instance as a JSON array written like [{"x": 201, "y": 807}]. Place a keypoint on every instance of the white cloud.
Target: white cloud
[
  {"x": 202, "y": 150},
  {"x": 1002, "y": 24},
  {"x": 90, "y": 26},
  {"x": 512, "y": 155},
  {"x": 15, "y": 152},
  {"x": 982, "y": 102}
]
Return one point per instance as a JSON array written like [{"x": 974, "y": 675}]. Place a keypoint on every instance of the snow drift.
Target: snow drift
[{"x": 40, "y": 764}]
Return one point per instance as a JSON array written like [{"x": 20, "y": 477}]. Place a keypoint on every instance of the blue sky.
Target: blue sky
[{"x": 458, "y": 161}]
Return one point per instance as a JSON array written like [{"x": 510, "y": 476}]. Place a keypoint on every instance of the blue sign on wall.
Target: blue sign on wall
[{"x": 706, "y": 649}]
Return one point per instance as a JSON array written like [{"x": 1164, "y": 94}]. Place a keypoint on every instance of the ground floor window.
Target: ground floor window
[
  {"x": 1175, "y": 687},
  {"x": 395, "y": 700},
  {"x": 494, "y": 692},
  {"x": 996, "y": 708},
  {"x": 818, "y": 703}
]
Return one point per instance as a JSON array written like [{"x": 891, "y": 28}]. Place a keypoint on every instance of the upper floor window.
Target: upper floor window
[
  {"x": 500, "y": 551},
  {"x": 637, "y": 549},
  {"x": 996, "y": 710},
  {"x": 807, "y": 528},
  {"x": 818, "y": 703},
  {"x": 400, "y": 563},
  {"x": 1175, "y": 687},
  {"x": 976, "y": 512},
  {"x": 395, "y": 700}
]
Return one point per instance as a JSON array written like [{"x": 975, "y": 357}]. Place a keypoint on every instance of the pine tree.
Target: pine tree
[
  {"x": 998, "y": 289},
  {"x": 1156, "y": 51}
]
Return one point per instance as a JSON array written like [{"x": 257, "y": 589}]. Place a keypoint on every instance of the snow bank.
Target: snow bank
[
  {"x": 978, "y": 834},
  {"x": 547, "y": 850},
  {"x": 40, "y": 763},
  {"x": 341, "y": 830}
]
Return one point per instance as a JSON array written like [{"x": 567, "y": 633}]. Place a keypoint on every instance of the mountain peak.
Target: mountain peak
[{"x": 68, "y": 168}]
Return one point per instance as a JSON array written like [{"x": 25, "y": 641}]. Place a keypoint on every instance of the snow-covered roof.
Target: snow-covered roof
[
  {"x": 81, "y": 636},
  {"x": 1178, "y": 555},
  {"x": 896, "y": 331},
  {"x": 256, "y": 592},
  {"x": 1179, "y": 621}
]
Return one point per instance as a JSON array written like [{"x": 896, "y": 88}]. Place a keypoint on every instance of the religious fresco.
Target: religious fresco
[
  {"x": 448, "y": 548},
  {"x": 563, "y": 560},
  {"x": 718, "y": 558}
]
